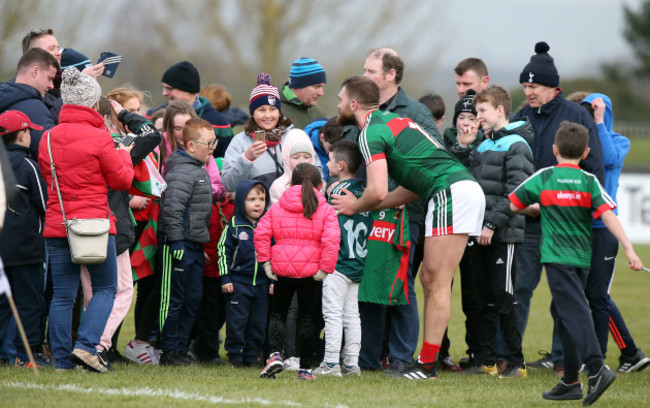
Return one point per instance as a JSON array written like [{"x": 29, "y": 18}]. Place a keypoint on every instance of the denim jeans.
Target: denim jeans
[{"x": 65, "y": 280}]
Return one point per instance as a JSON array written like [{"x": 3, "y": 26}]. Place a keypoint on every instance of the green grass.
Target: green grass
[
  {"x": 198, "y": 386},
  {"x": 637, "y": 158}
]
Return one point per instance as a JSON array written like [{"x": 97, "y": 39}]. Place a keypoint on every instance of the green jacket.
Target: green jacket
[{"x": 300, "y": 114}]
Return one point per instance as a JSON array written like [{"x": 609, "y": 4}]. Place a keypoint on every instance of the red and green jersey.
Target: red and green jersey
[
  {"x": 416, "y": 160},
  {"x": 355, "y": 230},
  {"x": 567, "y": 196}
]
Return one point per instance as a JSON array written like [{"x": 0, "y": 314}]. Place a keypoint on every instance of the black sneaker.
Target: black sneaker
[
  {"x": 396, "y": 368},
  {"x": 598, "y": 384},
  {"x": 544, "y": 362},
  {"x": 422, "y": 372},
  {"x": 172, "y": 358},
  {"x": 564, "y": 392},
  {"x": 638, "y": 362},
  {"x": 104, "y": 359},
  {"x": 114, "y": 356}
]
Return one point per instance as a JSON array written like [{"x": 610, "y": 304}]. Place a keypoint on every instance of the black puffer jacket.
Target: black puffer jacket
[
  {"x": 146, "y": 141},
  {"x": 186, "y": 204},
  {"x": 500, "y": 164}
]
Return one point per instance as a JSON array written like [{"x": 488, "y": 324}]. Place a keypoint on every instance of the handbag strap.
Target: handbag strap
[{"x": 56, "y": 180}]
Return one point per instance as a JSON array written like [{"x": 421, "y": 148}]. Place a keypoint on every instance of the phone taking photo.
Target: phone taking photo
[
  {"x": 128, "y": 139},
  {"x": 260, "y": 136}
]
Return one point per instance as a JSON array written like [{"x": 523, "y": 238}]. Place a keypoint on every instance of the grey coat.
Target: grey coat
[{"x": 186, "y": 204}]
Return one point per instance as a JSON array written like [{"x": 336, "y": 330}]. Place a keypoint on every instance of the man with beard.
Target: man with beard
[
  {"x": 400, "y": 148},
  {"x": 385, "y": 68}
]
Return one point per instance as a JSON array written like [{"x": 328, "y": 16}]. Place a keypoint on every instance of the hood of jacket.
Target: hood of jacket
[
  {"x": 293, "y": 137},
  {"x": 609, "y": 113},
  {"x": 11, "y": 93},
  {"x": 243, "y": 188},
  {"x": 81, "y": 114},
  {"x": 291, "y": 200},
  {"x": 180, "y": 156},
  {"x": 521, "y": 127}
]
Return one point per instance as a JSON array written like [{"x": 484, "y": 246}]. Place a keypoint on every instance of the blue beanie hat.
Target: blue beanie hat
[
  {"x": 73, "y": 58},
  {"x": 541, "y": 68},
  {"x": 264, "y": 94},
  {"x": 305, "y": 72}
]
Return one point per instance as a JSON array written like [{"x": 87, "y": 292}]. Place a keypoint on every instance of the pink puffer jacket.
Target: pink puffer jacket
[{"x": 302, "y": 246}]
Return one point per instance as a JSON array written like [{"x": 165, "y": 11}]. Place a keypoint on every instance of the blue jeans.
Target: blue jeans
[
  {"x": 65, "y": 281},
  {"x": 404, "y": 323}
]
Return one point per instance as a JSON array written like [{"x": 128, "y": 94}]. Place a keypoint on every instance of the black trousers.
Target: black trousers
[
  {"x": 210, "y": 319},
  {"x": 489, "y": 276},
  {"x": 308, "y": 291},
  {"x": 571, "y": 312},
  {"x": 27, "y": 284}
]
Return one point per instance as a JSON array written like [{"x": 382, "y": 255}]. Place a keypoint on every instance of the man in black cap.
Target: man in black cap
[
  {"x": 546, "y": 109},
  {"x": 181, "y": 82}
]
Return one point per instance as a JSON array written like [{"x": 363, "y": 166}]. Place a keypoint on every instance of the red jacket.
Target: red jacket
[
  {"x": 302, "y": 246},
  {"x": 86, "y": 162}
]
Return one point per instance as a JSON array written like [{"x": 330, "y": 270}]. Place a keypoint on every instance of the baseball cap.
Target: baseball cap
[{"x": 13, "y": 121}]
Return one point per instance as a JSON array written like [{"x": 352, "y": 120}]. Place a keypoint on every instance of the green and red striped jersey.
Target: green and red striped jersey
[
  {"x": 416, "y": 160},
  {"x": 567, "y": 197}
]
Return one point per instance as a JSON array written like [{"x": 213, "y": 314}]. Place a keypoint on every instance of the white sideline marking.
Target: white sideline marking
[{"x": 147, "y": 392}]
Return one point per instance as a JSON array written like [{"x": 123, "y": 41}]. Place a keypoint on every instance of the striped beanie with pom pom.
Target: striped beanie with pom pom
[{"x": 264, "y": 93}]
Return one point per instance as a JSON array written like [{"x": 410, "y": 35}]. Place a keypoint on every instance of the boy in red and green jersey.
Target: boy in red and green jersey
[{"x": 565, "y": 196}]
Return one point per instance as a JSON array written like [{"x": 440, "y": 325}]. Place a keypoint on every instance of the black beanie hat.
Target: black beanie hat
[
  {"x": 541, "y": 68},
  {"x": 73, "y": 58},
  {"x": 183, "y": 76},
  {"x": 465, "y": 104}
]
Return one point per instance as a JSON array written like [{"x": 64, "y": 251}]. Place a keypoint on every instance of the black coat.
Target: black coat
[
  {"x": 21, "y": 240},
  {"x": 546, "y": 121},
  {"x": 146, "y": 141},
  {"x": 500, "y": 164}
]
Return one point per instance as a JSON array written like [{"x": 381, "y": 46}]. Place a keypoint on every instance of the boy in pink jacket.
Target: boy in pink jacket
[{"x": 307, "y": 235}]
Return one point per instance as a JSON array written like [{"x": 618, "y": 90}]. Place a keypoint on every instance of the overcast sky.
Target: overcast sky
[{"x": 582, "y": 34}]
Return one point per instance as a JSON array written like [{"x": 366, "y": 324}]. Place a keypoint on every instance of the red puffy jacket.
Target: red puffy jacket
[
  {"x": 86, "y": 162},
  {"x": 302, "y": 246}
]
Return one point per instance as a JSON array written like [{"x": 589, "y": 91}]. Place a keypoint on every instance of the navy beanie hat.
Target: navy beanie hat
[
  {"x": 305, "y": 72},
  {"x": 541, "y": 68},
  {"x": 183, "y": 76},
  {"x": 465, "y": 104},
  {"x": 264, "y": 94},
  {"x": 73, "y": 58}
]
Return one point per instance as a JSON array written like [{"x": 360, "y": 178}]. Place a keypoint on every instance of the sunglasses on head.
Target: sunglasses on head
[{"x": 33, "y": 34}]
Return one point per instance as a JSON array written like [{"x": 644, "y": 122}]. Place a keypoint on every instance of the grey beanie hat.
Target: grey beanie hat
[
  {"x": 300, "y": 147},
  {"x": 79, "y": 89}
]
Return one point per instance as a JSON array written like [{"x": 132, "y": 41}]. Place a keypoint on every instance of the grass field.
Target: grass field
[{"x": 196, "y": 386}]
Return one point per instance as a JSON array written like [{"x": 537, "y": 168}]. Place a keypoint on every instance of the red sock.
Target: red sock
[{"x": 428, "y": 353}]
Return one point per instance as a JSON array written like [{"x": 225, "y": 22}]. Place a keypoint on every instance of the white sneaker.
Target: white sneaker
[
  {"x": 292, "y": 364},
  {"x": 141, "y": 353},
  {"x": 350, "y": 370},
  {"x": 329, "y": 369}
]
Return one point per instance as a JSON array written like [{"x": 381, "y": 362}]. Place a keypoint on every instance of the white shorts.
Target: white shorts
[{"x": 458, "y": 209}]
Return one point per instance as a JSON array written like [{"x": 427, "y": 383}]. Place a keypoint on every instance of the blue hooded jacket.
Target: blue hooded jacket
[
  {"x": 313, "y": 130},
  {"x": 236, "y": 250},
  {"x": 615, "y": 148}
]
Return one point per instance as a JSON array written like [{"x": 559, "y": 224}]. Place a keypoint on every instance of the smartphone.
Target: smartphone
[
  {"x": 260, "y": 136},
  {"x": 128, "y": 139}
]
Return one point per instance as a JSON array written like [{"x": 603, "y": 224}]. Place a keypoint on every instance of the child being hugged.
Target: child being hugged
[
  {"x": 306, "y": 233},
  {"x": 242, "y": 278},
  {"x": 341, "y": 289}
]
